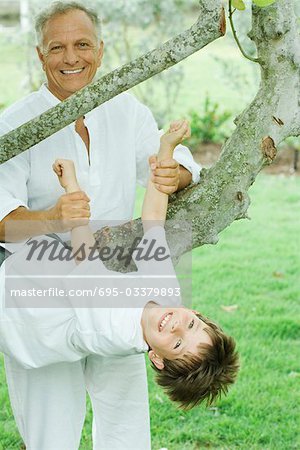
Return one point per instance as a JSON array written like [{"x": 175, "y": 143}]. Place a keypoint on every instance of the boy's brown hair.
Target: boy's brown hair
[{"x": 203, "y": 377}]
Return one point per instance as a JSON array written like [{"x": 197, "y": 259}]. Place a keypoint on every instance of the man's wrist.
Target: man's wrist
[{"x": 185, "y": 177}]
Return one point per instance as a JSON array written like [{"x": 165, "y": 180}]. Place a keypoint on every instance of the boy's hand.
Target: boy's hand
[
  {"x": 178, "y": 131},
  {"x": 65, "y": 171},
  {"x": 165, "y": 169}
]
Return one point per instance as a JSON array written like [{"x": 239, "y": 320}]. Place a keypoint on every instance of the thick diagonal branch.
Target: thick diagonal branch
[{"x": 209, "y": 26}]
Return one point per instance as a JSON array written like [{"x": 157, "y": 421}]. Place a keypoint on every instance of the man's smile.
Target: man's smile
[{"x": 72, "y": 72}]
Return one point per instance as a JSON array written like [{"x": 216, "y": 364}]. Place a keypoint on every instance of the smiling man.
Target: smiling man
[
  {"x": 70, "y": 52},
  {"x": 110, "y": 148}
]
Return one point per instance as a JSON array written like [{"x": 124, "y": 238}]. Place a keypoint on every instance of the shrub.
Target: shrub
[{"x": 208, "y": 126}]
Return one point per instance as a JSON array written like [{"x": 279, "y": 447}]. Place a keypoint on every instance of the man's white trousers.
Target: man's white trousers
[{"x": 49, "y": 403}]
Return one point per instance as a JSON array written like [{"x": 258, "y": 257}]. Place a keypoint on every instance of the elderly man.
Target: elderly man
[{"x": 110, "y": 147}]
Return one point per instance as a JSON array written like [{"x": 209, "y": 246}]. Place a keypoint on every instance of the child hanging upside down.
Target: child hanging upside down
[{"x": 193, "y": 358}]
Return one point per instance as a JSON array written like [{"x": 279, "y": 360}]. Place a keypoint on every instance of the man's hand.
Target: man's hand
[
  {"x": 165, "y": 174},
  {"x": 71, "y": 210}
]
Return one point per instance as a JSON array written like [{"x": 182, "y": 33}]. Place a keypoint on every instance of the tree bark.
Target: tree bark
[
  {"x": 209, "y": 26},
  {"x": 222, "y": 194}
]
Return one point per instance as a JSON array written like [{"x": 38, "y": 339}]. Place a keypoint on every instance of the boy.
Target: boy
[{"x": 193, "y": 358}]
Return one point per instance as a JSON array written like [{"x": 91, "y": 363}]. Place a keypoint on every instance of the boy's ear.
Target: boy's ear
[{"x": 157, "y": 360}]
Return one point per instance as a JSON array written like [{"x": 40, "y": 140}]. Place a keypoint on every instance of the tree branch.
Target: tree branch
[
  {"x": 209, "y": 26},
  {"x": 222, "y": 195},
  {"x": 231, "y": 12}
]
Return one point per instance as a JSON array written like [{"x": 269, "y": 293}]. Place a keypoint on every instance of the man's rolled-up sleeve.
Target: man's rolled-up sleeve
[
  {"x": 148, "y": 141},
  {"x": 184, "y": 157}
]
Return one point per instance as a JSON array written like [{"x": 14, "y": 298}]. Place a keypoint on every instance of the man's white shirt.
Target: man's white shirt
[{"x": 123, "y": 134}]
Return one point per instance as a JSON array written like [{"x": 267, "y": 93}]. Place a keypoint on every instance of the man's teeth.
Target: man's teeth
[
  {"x": 165, "y": 321},
  {"x": 68, "y": 72}
]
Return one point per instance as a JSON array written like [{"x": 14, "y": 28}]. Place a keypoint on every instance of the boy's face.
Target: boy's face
[{"x": 171, "y": 333}]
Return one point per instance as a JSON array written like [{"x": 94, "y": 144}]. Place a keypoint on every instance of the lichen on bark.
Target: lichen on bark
[{"x": 222, "y": 194}]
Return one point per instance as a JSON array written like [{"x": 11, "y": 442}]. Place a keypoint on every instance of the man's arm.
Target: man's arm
[
  {"x": 185, "y": 178},
  {"x": 70, "y": 210}
]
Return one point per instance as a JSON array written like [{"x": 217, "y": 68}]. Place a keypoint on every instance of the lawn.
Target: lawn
[{"x": 255, "y": 266}]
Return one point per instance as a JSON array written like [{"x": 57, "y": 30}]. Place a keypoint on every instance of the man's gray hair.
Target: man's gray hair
[{"x": 63, "y": 7}]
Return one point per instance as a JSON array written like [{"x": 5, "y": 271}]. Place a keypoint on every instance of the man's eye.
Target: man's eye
[
  {"x": 178, "y": 343},
  {"x": 83, "y": 44},
  {"x": 56, "y": 48},
  {"x": 191, "y": 324}
]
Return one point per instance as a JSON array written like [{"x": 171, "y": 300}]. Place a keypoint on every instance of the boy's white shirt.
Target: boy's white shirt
[{"x": 37, "y": 337}]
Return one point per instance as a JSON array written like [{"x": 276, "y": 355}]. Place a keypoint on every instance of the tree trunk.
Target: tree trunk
[{"x": 222, "y": 195}]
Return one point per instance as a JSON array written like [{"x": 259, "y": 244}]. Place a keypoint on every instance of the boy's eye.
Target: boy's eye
[
  {"x": 178, "y": 343},
  {"x": 191, "y": 324}
]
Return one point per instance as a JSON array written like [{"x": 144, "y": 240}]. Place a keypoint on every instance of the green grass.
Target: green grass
[
  {"x": 256, "y": 266},
  {"x": 12, "y": 72}
]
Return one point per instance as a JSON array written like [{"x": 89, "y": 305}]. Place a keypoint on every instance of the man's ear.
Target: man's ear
[
  {"x": 40, "y": 55},
  {"x": 100, "y": 53},
  {"x": 157, "y": 360}
]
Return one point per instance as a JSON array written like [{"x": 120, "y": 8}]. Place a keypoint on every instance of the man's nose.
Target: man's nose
[{"x": 70, "y": 56}]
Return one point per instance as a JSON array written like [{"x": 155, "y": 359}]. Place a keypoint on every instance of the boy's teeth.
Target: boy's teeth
[{"x": 166, "y": 319}]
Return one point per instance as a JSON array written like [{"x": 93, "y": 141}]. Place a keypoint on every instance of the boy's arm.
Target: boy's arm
[
  {"x": 155, "y": 202},
  {"x": 82, "y": 238}
]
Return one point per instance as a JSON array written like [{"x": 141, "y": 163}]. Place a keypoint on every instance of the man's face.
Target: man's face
[
  {"x": 172, "y": 333},
  {"x": 71, "y": 53}
]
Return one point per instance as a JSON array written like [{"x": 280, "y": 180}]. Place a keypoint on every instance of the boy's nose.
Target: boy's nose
[{"x": 175, "y": 326}]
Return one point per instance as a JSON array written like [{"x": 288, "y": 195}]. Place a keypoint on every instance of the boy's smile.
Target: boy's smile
[{"x": 171, "y": 333}]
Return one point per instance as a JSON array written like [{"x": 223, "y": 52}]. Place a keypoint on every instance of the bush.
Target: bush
[{"x": 208, "y": 126}]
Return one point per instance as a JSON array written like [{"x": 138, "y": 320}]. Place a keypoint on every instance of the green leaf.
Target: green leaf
[
  {"x": 238, "y": 4},
  {"x": 263, "y": 3}
]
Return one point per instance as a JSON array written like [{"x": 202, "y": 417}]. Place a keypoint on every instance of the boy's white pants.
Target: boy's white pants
[{"x": 49, "y": 403}]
